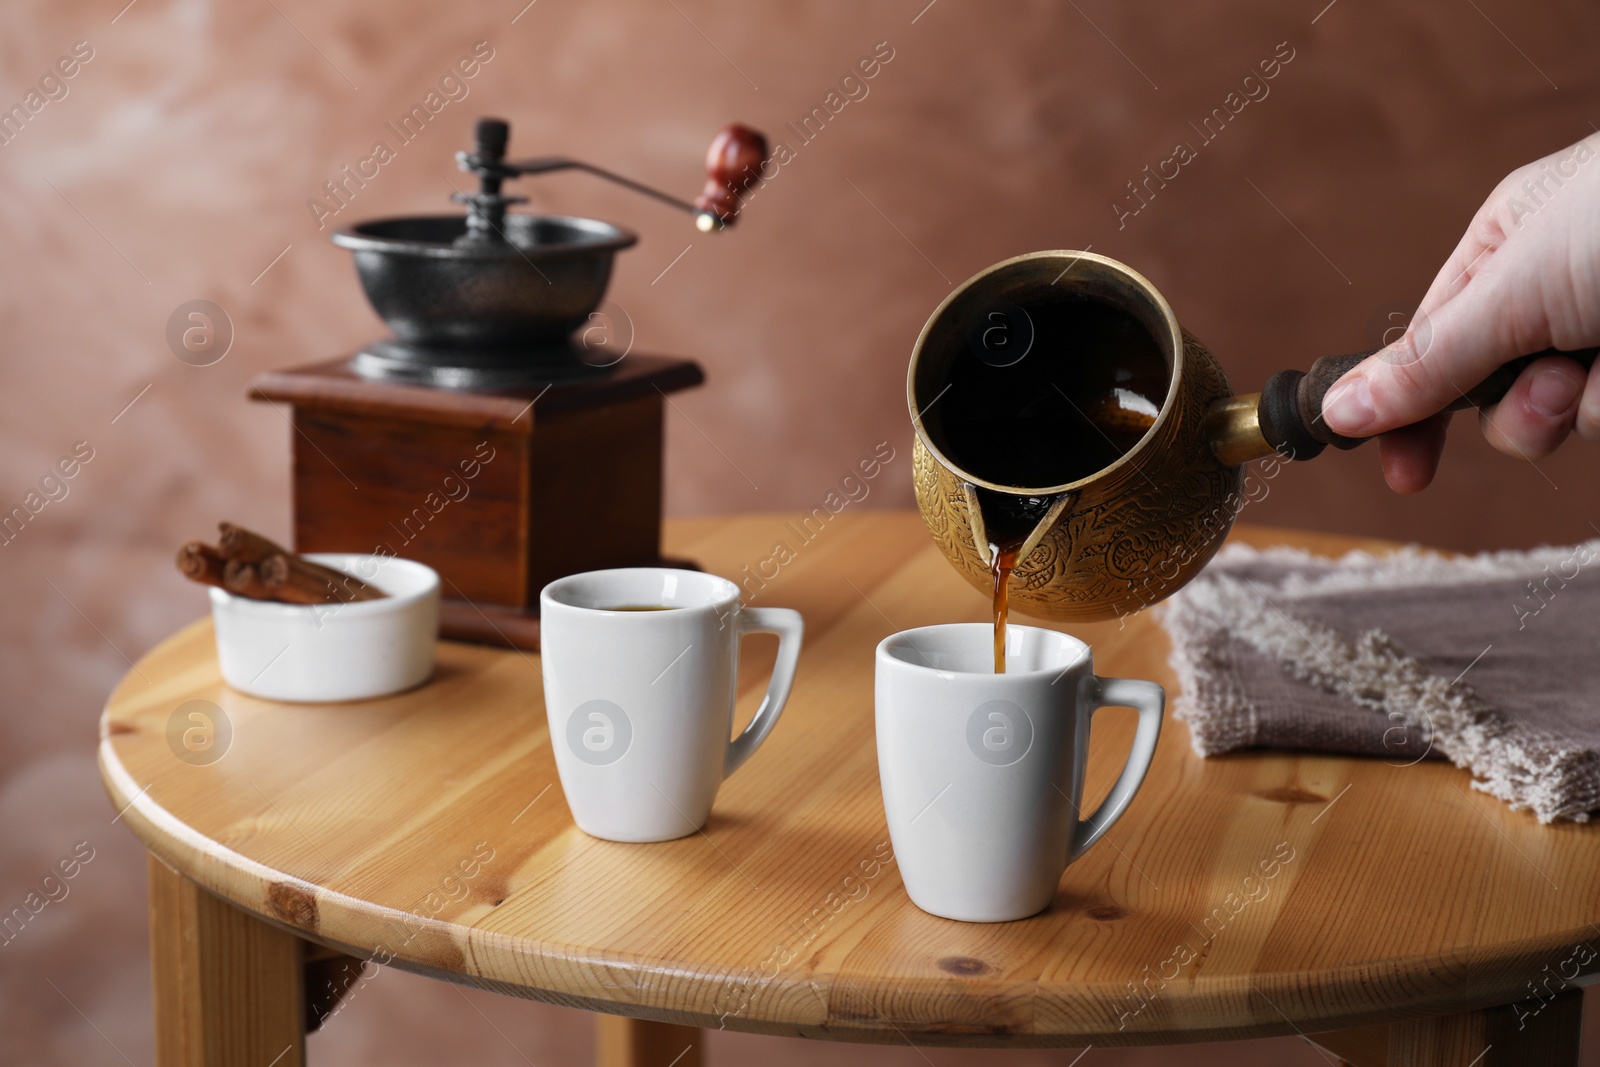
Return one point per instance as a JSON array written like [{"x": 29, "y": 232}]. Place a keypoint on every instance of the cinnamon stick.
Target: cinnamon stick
[
  {"x": 243, "y": 579},
  {"x": 249, "y": 565},
  {"x": 238, "y": 543},
  {"x": 297, "y": 581},
  {"x": 246, "y": 545},
  {"x": 199, "y": 562}
]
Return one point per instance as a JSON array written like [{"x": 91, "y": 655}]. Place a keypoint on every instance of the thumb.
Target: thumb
[{"x": 1442, "y": 355}]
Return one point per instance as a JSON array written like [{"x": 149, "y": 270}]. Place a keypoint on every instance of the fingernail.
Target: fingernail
[
  {"x": 1552, "y": 393},
  {"x": 1347, "y": 408}
]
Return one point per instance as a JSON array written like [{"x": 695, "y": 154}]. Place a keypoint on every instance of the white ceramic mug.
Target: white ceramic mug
[
  {"x": 983, "y": 773},
  {"x": 640, "y": 702}
]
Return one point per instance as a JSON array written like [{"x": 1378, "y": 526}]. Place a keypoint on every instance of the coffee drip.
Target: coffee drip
[
  {"x": 1049, "y": 390},
  {"x": 1007, "y": 521}
]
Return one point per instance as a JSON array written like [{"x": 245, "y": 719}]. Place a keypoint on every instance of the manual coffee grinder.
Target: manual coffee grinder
[{"x": 483, "y": 438}]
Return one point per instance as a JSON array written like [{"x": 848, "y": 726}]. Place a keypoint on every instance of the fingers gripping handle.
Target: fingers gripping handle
[
  {"x": 1149, "y": 699},
  {"x": 1290, "y": 412},
  {"x": 790, "y": 628}
]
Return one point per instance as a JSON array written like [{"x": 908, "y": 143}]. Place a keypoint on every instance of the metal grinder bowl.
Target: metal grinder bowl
[
  {"x": 438, "y": 289},
  {"x": 489, "y": 300}
]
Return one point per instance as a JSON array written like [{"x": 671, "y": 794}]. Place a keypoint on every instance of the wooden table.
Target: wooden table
[{"x": 428, "y": 831}]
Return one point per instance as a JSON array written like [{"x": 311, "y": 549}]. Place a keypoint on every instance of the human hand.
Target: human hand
[{"x": 1525, "y": 277}]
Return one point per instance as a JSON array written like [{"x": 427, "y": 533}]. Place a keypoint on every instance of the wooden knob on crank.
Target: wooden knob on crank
[{"x": 733, "y": 162}]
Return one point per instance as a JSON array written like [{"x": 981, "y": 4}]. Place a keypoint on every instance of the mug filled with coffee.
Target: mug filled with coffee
[
  {"x": 640, "y": 674},
  {"x": 983, "y": 772}
]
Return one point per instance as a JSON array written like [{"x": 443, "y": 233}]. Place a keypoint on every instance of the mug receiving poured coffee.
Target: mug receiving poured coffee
[
  {"x": 983, "y": 773},
  {"x": 640, "y": 673}
]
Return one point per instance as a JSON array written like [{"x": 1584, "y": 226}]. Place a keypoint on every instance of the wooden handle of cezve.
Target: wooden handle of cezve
[{"x": 1291, "y": 403}]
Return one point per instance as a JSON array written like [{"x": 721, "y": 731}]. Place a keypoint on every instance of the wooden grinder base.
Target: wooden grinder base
[{"x": 500, "y": 492}]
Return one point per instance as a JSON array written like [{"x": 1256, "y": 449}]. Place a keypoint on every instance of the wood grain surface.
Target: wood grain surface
[
  {"x": 1242, "y": 896},
  {"x": 227, "y": 989},
  {"x": 501, "y": 492},
  {"x": 335, "y": 386}
]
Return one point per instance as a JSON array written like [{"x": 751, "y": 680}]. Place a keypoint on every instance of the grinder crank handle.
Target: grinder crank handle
[
  {"x": 1290, "y": 409},
  {"x": 733, "y": 164}
]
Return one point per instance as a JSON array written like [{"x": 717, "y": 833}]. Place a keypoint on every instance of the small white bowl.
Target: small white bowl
[{"x": 317, "y": 653}]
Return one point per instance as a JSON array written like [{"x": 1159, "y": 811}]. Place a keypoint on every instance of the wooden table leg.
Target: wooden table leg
[
  {"x": 1546, "y": 1035},
  {"x": 228, "y": 987},
  {"x": 1508, "y": 1036},
  {"x": 625, "y": 1042},
  {"x": 329, "y": 974},
  {"x": 1366, "y": 1047}
]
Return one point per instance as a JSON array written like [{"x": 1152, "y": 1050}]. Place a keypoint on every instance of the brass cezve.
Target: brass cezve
[{"x": 1136, "y": 530}]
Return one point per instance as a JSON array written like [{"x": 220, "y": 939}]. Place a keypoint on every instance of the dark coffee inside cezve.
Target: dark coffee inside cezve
[{"x": 1047, "y": 390}]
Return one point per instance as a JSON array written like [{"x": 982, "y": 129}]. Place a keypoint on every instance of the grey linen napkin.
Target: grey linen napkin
[{"x": 1490, "y": 661}]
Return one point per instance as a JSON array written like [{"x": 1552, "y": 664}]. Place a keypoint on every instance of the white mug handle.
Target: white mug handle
[
  {"x": 1148, "y": 699},
  {"x": 790, "y": 628}
]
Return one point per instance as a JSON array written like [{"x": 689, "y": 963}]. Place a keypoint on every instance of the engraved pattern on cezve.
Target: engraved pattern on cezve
[{"x": 1134, "y": 536}]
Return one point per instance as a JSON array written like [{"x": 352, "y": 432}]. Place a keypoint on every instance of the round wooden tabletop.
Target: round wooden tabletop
[{"x": 1242, "y": 896}]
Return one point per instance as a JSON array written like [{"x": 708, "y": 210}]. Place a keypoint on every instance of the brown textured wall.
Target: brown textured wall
[{"x": 178, "y": 166}]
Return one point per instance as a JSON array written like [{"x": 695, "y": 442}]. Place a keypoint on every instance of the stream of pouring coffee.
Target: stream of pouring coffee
[
  {"x": 1005, "y": 561},
  {"x": 1121, "y": 419}
]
